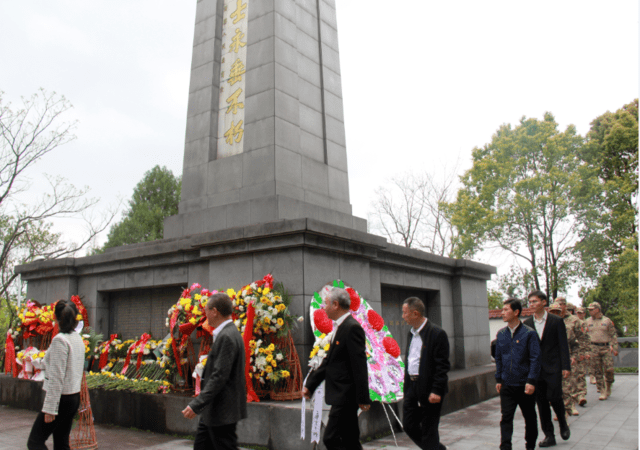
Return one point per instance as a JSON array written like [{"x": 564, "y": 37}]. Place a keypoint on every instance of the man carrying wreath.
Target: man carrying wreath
[{"x": 344, "y": 370}]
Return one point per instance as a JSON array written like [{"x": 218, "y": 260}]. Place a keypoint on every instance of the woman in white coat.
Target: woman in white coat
[{"x": 64, "y": 364}]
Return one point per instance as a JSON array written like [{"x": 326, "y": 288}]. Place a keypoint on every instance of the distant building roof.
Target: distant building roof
[{"x": 497, "y": 313}]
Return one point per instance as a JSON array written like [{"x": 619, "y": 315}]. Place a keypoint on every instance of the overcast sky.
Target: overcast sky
[{"x": 424, "y": 82}]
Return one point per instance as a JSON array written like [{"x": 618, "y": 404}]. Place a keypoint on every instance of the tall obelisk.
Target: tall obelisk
[{"x": 265, "y": 133}]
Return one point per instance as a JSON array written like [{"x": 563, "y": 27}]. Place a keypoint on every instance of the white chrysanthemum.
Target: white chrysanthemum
[
  {"x": 321, "y": 353},
  {"x": 279, "y": 357},
  {"x": 261, "y": 362}
]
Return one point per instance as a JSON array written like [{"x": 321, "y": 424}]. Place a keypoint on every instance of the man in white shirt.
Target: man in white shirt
[
  {"x": 223, "y": 399},
  {"x": 425, "y": 378},
  {"x": 555, "y": 364}
]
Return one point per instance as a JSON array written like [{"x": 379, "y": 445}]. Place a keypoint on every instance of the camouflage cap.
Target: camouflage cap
[
  {"x": 593, "y": 305},
  {"x": 571, "y": 306},
  {"x": 580, "y": 309},
  {"x": 555, "y": 306}
]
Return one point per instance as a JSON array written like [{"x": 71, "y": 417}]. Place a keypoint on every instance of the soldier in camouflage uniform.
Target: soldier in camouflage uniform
[
  {"x": 579, "y": 354},
  {"x": 581, "y": 312},
  {"x": 582, "y": 362},
  {"x": 575, "y": 339},
  {"x": 604, "y": 343}
]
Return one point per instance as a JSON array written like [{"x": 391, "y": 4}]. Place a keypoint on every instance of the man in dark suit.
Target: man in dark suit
[
  {"x": 344, "y": 371},
  {"x": 555, "y": 365},
  {"x": 425, "y": 376},
  {"x": 223, "y": 399}
]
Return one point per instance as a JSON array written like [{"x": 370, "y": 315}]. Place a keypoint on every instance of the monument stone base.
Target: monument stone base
[{"x": 129, "y": 289}]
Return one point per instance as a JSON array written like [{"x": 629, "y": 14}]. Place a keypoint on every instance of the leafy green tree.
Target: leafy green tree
[
  {"x": 6, "y": 313},
  {"x": 495, "y": 299},
  {"x": 610, "y": 252},
  {"x": 612, "y": 151},
  {"x": 617, "y": 292},
  {"x": 525, "y": 193},
  {"x": 155, "y": 197}
]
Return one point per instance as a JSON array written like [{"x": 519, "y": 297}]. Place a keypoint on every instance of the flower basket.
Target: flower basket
[
  {"x": 84, "y": 435},
  {"x": 288, "y": 388}
]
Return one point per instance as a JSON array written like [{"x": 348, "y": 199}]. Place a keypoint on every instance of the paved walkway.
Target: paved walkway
[{"x": 610, "y": 425}]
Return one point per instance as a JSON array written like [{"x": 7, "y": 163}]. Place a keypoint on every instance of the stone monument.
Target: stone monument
[
  {"x": 265, "y": 190},
  {"x": 265, "y": 133}
]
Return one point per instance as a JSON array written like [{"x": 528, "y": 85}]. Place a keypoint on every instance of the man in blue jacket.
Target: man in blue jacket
[{"x": 517, "y": 368}]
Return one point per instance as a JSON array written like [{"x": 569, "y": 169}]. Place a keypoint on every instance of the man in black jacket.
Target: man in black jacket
[
  {"x": 223, "y": 399},
  {"x": 555, "y": 364},
  {"x": 425, "y": 376},
  {"x": 345, "y": 373}
]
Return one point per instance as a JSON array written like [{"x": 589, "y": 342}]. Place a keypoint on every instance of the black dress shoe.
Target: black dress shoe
[
  {"x": 565, "y": 432},
  {"x": 548, "y": 441}
]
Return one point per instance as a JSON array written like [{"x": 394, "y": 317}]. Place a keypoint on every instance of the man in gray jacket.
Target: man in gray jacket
[{"x": 223, "y": 399}]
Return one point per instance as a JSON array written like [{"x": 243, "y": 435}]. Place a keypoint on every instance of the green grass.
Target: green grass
[{"x": 625, "y": 370}]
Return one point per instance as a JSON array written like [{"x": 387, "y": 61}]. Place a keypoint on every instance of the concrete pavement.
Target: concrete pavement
[{"x": 610, "y": 425}]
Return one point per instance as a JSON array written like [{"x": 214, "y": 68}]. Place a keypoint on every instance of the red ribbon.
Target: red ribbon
[
  {"x": 10, "y": 355},
  {"x": 131, "y": 349},
  {"x": 143, "y": 341},
  {"x": 55, "y": 331},
  {"x": 81, "y": 309},
  {"x": 248, "y": 335},
  {"x": 104, "y": 356}
]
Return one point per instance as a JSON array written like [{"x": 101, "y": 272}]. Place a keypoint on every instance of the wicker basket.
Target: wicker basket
[
  {"x": 84, "y": 435},
  {"x": 291, "y": 388}
]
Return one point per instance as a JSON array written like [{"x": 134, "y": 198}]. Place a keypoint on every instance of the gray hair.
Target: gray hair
[{"x": 341, "y": 296}]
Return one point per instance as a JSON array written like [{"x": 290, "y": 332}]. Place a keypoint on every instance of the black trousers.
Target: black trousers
[
  {"x": 60, "y": 427},
  {"x": 510, "y": 398},
  {"x": 223, "y": 437},
  {"x": 342, "y": 431},
  {"x": 545, "y": 395},
  {"x": 420, "y": 421}
]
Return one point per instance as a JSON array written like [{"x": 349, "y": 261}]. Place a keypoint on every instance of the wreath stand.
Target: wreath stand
[{"x": 84, "y": 435}]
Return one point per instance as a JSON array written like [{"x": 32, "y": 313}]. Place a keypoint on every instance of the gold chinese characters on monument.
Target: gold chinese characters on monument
[{"x": 232, "y": 79}]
